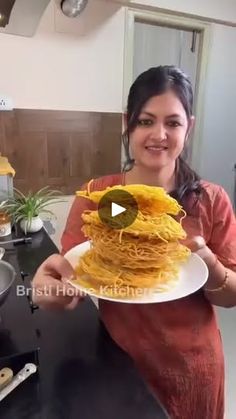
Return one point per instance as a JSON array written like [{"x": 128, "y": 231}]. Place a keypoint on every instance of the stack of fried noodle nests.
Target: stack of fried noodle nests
[{"x": 144, "y": 255}]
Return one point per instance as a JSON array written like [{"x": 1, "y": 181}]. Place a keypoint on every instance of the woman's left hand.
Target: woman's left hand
[
  {"x": 198, "y": 245},
  {"x": 219, "y": 276}
]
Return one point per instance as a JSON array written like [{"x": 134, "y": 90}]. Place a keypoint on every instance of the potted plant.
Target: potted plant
[{"x": 26, "y": 209}]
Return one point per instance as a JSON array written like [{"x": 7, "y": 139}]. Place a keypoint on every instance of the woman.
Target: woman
[{"x": 176, "y": 345}]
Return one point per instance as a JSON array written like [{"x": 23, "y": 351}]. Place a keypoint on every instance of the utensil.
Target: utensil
[
  {"x": 21, "y": 376},
  {"x": 2, "y": 252},
  {"x": 7, "y": 277},
  {"x": 24, "y": 240},
  {"x": 6, "y": 375}
]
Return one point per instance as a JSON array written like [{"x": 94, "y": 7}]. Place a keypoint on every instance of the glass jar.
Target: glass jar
[{"x": 5, "y": 224}]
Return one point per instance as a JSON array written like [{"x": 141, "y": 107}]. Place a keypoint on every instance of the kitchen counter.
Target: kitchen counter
[{"x": 82, "y": 373}]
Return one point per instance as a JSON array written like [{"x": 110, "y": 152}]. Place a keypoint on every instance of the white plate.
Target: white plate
[{"x": 192, "y": 276}]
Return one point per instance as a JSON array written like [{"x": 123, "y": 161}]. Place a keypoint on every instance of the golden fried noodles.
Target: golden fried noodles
[
  {"x": 151, "y": 200},
  {"x": 143, "y": 257}
]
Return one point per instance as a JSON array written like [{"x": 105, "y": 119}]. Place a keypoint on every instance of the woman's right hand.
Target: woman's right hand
[{"x": 50, "y": 287}]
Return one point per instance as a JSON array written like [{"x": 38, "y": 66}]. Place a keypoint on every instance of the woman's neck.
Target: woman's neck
[{"x": 164, "y": 177}]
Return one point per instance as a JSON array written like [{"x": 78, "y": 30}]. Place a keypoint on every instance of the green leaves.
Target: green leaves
[{"x": 22, "y": 206}]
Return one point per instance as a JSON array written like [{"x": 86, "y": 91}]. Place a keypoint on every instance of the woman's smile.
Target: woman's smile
[{"x": 156, "y": 149}]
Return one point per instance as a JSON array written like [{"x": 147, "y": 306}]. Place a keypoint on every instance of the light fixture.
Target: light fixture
[
  {"x": 73, "y": 8},
  {"x": 6, "y": 9}
]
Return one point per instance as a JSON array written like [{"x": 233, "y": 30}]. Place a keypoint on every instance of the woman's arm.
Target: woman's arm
[
  {"x": 220, "y": 253},
  {"x": 220, "y": 288},
  {"x": 50, "y": 286}
]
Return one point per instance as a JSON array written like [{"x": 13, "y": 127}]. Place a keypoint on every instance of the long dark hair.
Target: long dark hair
[{"x": 153, "y": 82}]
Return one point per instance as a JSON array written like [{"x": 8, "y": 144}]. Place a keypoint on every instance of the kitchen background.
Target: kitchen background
[{"x": 66, "y": 83}]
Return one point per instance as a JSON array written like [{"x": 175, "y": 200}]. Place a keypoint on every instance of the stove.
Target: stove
[{"x": 18, "y": 337}]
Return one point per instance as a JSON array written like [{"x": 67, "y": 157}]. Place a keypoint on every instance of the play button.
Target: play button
[{"x": 117, "y": 209}]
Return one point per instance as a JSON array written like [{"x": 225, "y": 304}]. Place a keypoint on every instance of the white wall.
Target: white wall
[
  {"x": 227, "y": 321},
  {"x": 217, "y": 9},
  {"x": 154, "y": 45},
  {"x": 80, "y": 69},
  {"x": 219, "y": 128},
  {"x": 158, "y": 45},
  {"x": 78, "y": 65}
]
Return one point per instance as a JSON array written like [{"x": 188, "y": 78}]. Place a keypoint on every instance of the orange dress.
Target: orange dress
[{"x": 175, "y": 345}]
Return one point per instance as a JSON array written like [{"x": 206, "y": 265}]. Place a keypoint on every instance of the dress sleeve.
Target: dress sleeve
[
  {"x": 72, "y": 234},
  {"x": 223, "y": 236}
]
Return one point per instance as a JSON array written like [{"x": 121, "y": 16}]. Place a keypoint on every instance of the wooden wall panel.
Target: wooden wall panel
[
  {"x": 28, "y": 159},
  {"x": 2, "y": 136},
  {"x": 57, "y": 156},
  {"x": 61, "y": 149},
  {"x": 110, "y": 142},
  {"x": 81, "y": 149}
]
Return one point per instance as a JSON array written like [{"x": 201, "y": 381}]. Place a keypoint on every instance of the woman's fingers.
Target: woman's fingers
[
  {"x": 58, "y": 266},
  {"x": 198, "y": 245},
  {"x": 73, "y": 303},
  {"x": 195, "y": 243},
  {"x": 50, "y": 285}
]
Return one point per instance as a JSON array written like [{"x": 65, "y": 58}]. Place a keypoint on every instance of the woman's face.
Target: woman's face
[{"x": 159, "y": 137}]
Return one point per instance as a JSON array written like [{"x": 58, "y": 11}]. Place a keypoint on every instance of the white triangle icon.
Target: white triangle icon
[{"x": 116, "y": 209}]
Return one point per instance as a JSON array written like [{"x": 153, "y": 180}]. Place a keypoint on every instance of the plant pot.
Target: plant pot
[{"x": 31, "y": 227}]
